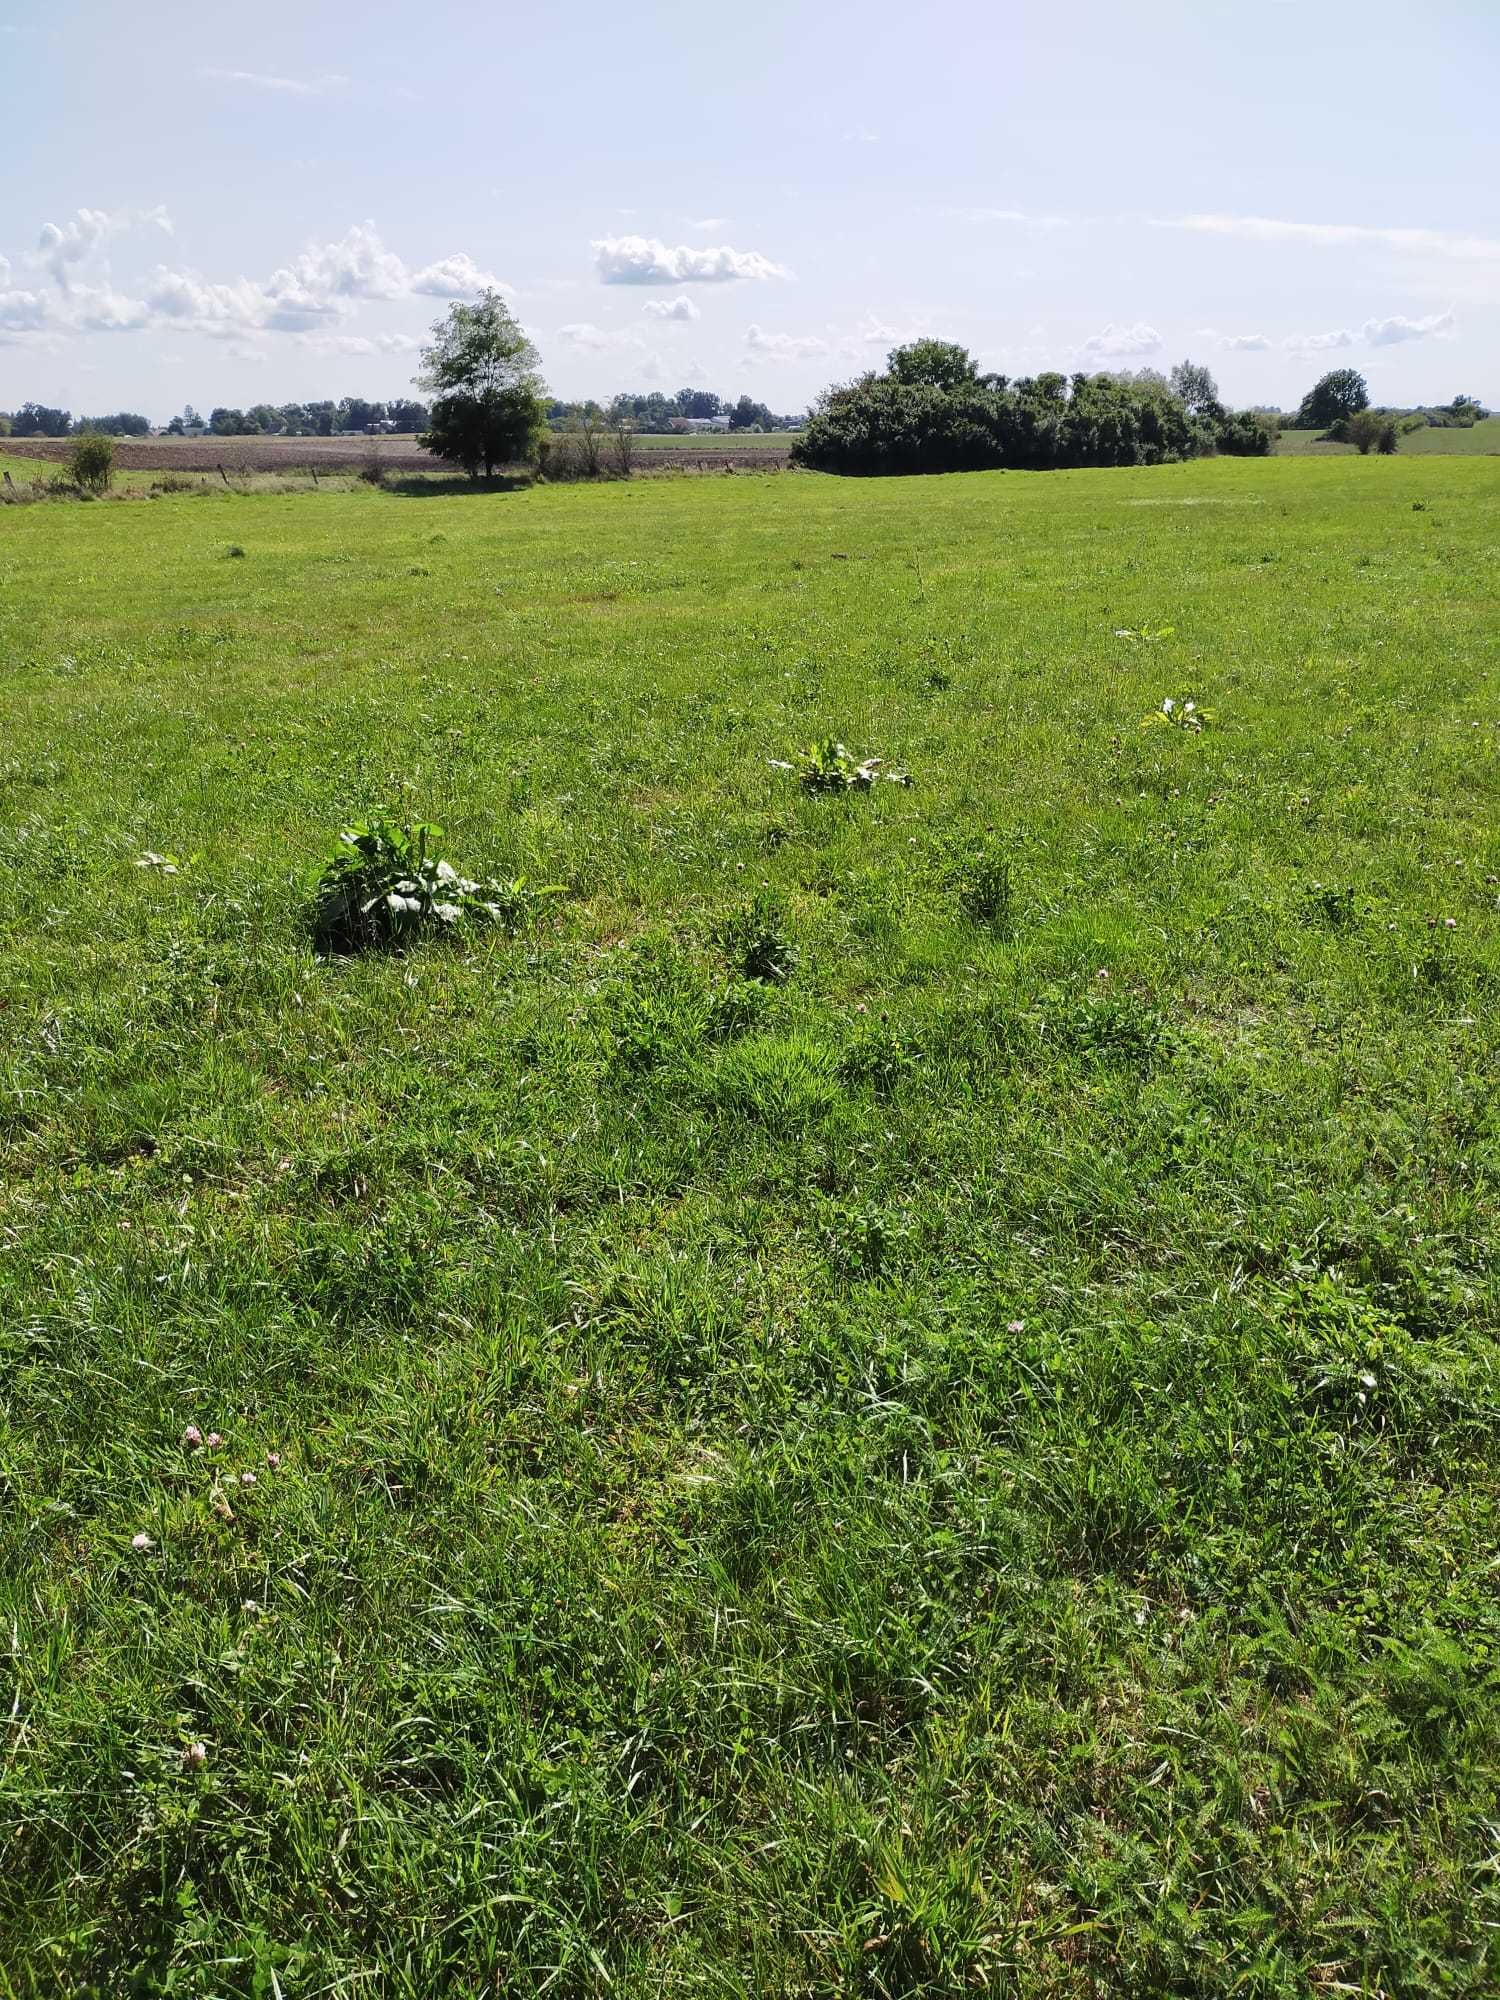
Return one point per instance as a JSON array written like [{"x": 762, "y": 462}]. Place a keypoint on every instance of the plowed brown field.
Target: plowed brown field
[{"x": 348, "y": 454}]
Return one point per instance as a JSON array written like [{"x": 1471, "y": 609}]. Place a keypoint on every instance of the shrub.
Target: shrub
[
  {"x": 1371, "y": 430},
  {"x": 1242, "y": 434},
  {"x": 91, "y": 461},
  {"x": 887, "y": 424},
  {"x": 559, "y": 458},
  {"x": 385, "y": 889}
]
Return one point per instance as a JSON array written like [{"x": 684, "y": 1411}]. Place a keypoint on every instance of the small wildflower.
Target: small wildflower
[
  {"x": 141, "y": 1543},
  {"x": 213, "y": 1440},
  {"x": 273, "y": 1459},
  {"x": 195, "y": 1756},
  {"x": 1102, "y": 973},
  {"x": 250, "y": 1608},
  {"x": 1450, "y": 923},
  {"x": 192, "y": 1437},
  {"x": 1016, "y": 1326},
  {"x": 247, "y": 1479}
]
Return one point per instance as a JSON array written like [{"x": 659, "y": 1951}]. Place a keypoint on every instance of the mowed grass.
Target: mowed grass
[
  {"x": 971, "y": 1469},
  {"x": 1479, "y": 440}
]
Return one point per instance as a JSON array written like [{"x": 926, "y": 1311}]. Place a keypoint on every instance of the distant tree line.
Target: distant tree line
[
  {"x": 658, "y": 412},
  {"x": 319, "y": 419},
  {"x": 38, "y": 420},
  {"x": 933, "y": 411}
]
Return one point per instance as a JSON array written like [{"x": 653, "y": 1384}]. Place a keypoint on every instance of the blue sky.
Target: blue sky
[{"x": 217, "y": 203}]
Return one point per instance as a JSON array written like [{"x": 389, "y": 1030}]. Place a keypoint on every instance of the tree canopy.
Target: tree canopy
[
  {"x": 934, "y": 364},
  {"x": 1333, "y": 399},
  {"x": 1194, "y": 384},
  {"x": 489, "y": 409}
]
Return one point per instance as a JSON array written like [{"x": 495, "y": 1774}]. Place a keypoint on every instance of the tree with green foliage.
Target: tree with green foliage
[
  {"x": 934, "y": 364},
  {"x": 1333, "y": 399},
  {"x": 1195, "y": 386},
  {"x": 748, "y": 415},
  {"x": 697, "y": 403},
  {"x": 124, "y": 423},
  {"x": 489, "y": 408},
  {"x": 39, "y": 420}
]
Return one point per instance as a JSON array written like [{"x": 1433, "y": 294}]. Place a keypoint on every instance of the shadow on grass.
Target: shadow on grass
[{"x": 443, "y": 485}]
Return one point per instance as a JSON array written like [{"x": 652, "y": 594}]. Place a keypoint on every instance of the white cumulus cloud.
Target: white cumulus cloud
[
  {"x": 1386, "y": 332},
  {"x": 783, "y": 346},
  {"x": 22, "y": 312},
  {"x": 1374, "y": 333},
  {"x": 1123, "y": 343},
  {"x": 358, "y": 266},
  {"x": 586, "y": 338},
  {"x": 61, "y": 245},
  {"x": 457, "y": 277},
  {"x": 101, "y": 309},
  {"x": 358, "y": 343},
  {"x": 1318, "y": 343},
  {"x": 681, "y": 308},
  {"x": 642, "y": 260},
  {"x": 317, "y": 291}
]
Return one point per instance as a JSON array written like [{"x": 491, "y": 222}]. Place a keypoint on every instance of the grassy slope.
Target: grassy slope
[
  {"x": 979, "y": 1471},
  {"x": 1480, "y": 440}
]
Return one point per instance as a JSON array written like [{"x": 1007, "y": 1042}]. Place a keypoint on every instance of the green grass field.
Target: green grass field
[
  {"x": 971, "y": 1469},
  {"x": 1480, "y": 440}
]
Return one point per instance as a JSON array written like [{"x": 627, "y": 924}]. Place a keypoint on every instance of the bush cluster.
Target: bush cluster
[{"x": 931, "y": 411}]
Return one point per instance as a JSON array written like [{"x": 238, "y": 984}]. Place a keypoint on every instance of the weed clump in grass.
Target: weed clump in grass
[
  {"x": 829, "y": 767},
  {"x": 386, "y": 889},
  {"x": 1334, "y": 907},
  {"x": 1174, "y": 714},
  {"x": 979, "y": 874},
  {"x": 756, "y": 942},
  {"x": 665, "y": 1012}
]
